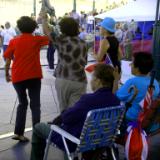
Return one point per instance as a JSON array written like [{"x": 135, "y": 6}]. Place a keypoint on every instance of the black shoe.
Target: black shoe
[{"x": 20, "y": 138}]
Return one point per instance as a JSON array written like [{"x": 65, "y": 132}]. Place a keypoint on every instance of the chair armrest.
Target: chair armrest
[{"x": 65, "y": 134}]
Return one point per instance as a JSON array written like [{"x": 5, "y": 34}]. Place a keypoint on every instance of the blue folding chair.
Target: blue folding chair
[{"x": 100, "y": 129}]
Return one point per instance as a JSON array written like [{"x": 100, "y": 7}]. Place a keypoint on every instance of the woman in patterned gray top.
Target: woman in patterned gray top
[{"x": 70, "y": 75}]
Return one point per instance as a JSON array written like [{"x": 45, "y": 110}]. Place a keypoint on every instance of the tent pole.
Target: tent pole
[
  {"x": 142, "y": 41},
  {"x": 94, "y": 50},
  {"x": 155, "y": 44},
  {"x": 157, "y": 11},
  {"x": 74, "y": 5},
  {"x": 34, "y": 7}
]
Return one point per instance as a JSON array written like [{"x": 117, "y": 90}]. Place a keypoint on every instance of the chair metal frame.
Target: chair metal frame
[{"x": 100, "y": 129}]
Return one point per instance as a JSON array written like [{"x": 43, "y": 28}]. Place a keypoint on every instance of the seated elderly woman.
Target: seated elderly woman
[
  {"x": 102, "y": 84},
  {"x": 141, "y": 66}
]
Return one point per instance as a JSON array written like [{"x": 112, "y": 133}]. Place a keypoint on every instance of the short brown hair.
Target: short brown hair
[
  {"x": 104, "y": 72},
  {"x": 143, "y": 61},
  {"x": 69, "y": 26},
  {"x": 26, "y": 24}
]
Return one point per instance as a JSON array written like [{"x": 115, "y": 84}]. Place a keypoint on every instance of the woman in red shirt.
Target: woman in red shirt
[{"x": 26, "y": 73}]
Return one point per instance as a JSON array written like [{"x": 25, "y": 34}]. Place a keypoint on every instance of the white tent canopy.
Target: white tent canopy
[{"x": 139, "y": 10}]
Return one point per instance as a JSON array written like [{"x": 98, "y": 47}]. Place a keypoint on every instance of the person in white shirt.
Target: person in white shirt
[
  {"x": 75, "y": 15},
  {"x": 127, "y": 42},
  {"x": 7, "y": 34},
  {"x": 82, "y": 34},
  {"x": 133, "y": 27},
  {"x": 1, "y": 28},
  {"x": 118, "y": 33},
  {"x": 90, "y": 22}
]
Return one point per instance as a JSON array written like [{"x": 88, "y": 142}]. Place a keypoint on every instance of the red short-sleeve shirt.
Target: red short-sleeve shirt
[{"x": 24, "y": 50}]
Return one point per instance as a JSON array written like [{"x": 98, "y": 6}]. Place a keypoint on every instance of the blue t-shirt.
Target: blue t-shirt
[{"x": 141, "y": 83}]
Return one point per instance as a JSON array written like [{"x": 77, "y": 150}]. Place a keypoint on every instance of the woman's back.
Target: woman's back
[
  {"x": 72, "y": 58},
  {"x": 113, "y": 51}
]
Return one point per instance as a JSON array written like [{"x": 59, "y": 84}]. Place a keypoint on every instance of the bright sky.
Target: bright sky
[{"x": 13, "y": 9}]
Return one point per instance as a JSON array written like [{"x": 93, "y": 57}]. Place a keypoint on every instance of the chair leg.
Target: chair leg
[
  {"x": 66, "y": 148},
  {"x": 113, "y": 155},
  {"x": 47, "y": 146}
]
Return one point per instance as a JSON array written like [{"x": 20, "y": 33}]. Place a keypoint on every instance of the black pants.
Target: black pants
[
  {"x": 50, "y": 55},
  {"x": 33, "y": 86}
]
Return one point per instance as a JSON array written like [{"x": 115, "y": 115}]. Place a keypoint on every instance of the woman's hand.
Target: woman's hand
[
  {"x": 94, "y": 54},
  {"x": 43, "y": 15},
  {"x": 8, "y": 78},
  {"x": 7, "y": 67},
  {"x": 117, "y": 77},
  {"x": 47, "y": 28},
  {"x": 116, "y": 74}
]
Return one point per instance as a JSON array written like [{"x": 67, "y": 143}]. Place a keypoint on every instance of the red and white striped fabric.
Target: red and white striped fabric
[
  {"x": 136, "y": 146},
  {"x": 146, "y": 102}
]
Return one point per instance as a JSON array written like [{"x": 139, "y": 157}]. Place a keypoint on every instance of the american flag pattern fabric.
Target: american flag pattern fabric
[
  {"x": 136, "y": 146},
  {"x": 146, "y": 102}
]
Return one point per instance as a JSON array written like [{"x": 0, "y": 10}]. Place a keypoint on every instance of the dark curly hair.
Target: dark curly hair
[
  {"x": 69, "y": 26},
  {"x": 26, "y": 24},
  {"x": 143, "y": 61},
  {"x": 104, "y": 72}
]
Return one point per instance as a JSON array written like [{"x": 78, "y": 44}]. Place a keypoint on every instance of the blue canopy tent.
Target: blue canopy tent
[
  {"x": 141, "y": 11},
  {"x": 144, "y": 30}
]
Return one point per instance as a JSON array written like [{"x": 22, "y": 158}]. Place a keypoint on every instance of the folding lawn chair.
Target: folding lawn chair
[{"x": 100, "y": 130}]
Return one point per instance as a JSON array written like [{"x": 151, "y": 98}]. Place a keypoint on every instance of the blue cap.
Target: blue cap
[{"x": 108, "y": 24}]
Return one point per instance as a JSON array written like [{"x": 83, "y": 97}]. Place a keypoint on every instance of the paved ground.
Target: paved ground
[{"x": 11, "y": 150}]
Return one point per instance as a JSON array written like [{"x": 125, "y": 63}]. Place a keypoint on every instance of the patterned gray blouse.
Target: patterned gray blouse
[{"x": 72, "y": 58}]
